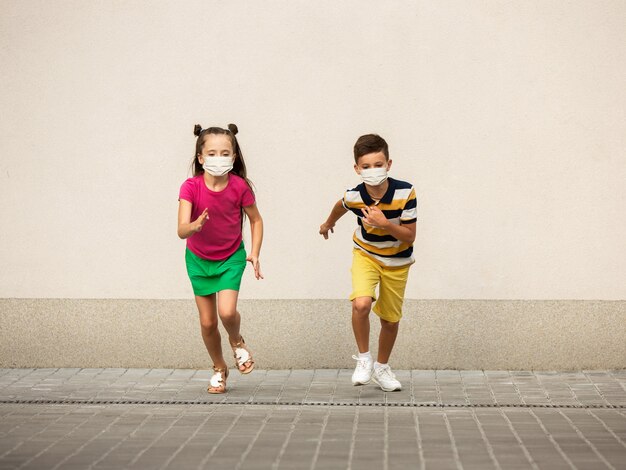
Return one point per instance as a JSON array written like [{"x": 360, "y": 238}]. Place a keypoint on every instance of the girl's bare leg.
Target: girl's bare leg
[
  {"x": 231, "y": 319},
  {"x": 227, "y": 310},
  {"x": 208, "y": 327}
]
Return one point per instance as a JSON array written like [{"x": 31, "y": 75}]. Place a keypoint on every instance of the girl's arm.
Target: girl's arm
[
  {"x": 256, "y": 229},
  {"x": 335, "y": 214},
  {"x": 186, "y": 228}
]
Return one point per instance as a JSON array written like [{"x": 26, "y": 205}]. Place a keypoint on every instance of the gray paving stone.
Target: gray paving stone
[{"x": 311, "y": 419}]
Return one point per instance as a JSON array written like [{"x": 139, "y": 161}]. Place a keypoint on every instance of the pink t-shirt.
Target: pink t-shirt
[{"x": 221, "y": 234}]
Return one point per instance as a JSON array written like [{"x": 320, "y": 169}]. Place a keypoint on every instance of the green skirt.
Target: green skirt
[{"x": 208, "y": 277}]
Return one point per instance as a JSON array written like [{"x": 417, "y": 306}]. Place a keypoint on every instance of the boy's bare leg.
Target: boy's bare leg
[
  {"x": 361, "y": 307},
  {"x": 386, "y": 340}
]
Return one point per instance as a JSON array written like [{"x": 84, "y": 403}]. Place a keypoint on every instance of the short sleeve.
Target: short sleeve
[
  {"x": 343, "y": 201},
  {"x": 409, "y": 211},
  {"x": 247, "y": 197},
  {"x": 187, "y": 191}
]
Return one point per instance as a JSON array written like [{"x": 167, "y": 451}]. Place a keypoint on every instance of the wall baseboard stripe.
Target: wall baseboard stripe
[{"x": 311, "y": 334}]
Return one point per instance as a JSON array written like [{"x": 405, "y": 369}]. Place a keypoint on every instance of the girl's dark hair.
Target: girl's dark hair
[
  {"x": 370, "y": 143},
  {"x": 239, "y": 166}
]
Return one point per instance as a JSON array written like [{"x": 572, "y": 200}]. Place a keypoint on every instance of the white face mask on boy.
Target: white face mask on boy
[
  {"x": 218, "y": 166},
  {"x": 374, "y": 176}
]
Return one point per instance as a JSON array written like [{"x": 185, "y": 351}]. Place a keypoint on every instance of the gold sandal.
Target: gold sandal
[
  {"x": 242, "y": 357},
  {"x": 217, "y": 384}
]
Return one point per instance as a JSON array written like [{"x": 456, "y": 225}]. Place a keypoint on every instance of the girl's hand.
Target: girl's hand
[
  {"x": 324, "y": 228},
  {"x": 374, "y": 216},
  {"x": 201, "y": 220},
  {"x": 256, "y": 265}
]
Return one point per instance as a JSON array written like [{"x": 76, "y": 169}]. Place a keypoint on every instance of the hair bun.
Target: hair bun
[
  {"x": 233, "y": 128},
  {"x": 197, "y": 129}
]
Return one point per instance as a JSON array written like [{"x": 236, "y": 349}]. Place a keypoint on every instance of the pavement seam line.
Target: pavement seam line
[
  {"x": 488, "y": 445},
  {"x": 587, "y": 441},
  {"x": 527, "y": 454},
  {"x": 418, "y": 437},
  {"x": 552, "y": 440},
  {"x": 283, "y": 448},
  {"x": 608, "y": 429},
  {"x": 455, "y": 450}
]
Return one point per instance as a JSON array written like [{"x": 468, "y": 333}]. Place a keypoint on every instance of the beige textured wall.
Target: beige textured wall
[
  {"x": 507, "y": 116},
  {"x": 434, "y": 334}
]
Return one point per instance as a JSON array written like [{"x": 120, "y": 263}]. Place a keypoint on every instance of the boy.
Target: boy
[{"x": 386, "y": 211}]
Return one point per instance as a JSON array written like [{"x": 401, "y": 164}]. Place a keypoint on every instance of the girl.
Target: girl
[{"x": 211, "y": 208}]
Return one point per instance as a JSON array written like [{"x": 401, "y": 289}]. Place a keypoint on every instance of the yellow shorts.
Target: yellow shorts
[{"x": 367, "y": 274}]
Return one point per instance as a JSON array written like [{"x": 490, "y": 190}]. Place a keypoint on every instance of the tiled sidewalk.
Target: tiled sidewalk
[{"x": 139, "y": 418}]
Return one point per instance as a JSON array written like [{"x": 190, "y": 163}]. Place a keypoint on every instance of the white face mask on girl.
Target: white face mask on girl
[
  {"x": 374, "y": 176},
  {"x": 218, "y": 166}
]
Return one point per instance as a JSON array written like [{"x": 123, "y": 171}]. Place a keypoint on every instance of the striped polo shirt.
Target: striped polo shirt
[{"x": 399, "y": 205}]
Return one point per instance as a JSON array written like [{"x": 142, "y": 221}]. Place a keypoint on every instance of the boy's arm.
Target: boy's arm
[
  {"x": 335, "y": 214},
  {"x": 404, "y": 232}
]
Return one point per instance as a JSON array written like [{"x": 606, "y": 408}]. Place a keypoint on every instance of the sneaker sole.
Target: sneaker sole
[
  {"x": 386, "y": 389},
  {"x": 361, "y": 383}
]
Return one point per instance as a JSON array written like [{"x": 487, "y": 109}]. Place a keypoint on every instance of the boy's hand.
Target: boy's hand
[
  {"x": 201, "y": 220},
  {"x": 324, "y": 228},
  {"x": 374, "y": 216}
]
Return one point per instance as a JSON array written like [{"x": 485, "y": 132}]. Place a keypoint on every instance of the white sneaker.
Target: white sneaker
[
  {"x": 386, "y": 379},
  {"x": 363, "y": 371}
]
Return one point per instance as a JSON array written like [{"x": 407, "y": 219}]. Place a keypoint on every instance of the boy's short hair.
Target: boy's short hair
[{"x": 370, "y": 143}]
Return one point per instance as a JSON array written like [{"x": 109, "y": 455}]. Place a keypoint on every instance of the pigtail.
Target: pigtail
[
  {"x": 239, "y": 167},
  {"x": 196, "y": 167}
]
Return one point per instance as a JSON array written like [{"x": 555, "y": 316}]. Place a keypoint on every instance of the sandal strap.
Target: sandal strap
[
  {"x": 241, "y": 353},
  {"x": 218, "y": 377},
  {"x": 239, "y": 344},
  {"x": 242, "y": 356}
]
